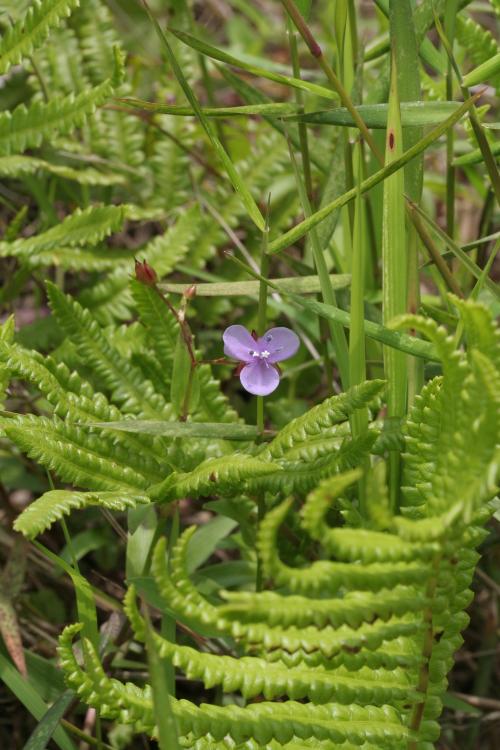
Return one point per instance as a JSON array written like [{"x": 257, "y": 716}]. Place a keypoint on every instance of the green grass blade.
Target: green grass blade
[
  {"x": 483, "y": 72},
  {"x": 221, "y": 56},
  {"x": 413, "y": 113},
  {"x": 277, "y": 109},
  {"x": 298, "y": 231},
  {"x": 394, "y": 254},
  {"x": 42, "y": 734},
  {"x": 457, "y": 251},
  {"x": 164, "y": 716},
  {"x": 206, "y": 430},
  {"x": 28, "y": 696},
  {"x": 297, "y": 284},
  {"x": 232, "y": 172}
]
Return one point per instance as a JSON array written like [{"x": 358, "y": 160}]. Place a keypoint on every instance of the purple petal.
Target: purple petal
[
  {"x": 238, "y": 343},
  {"x": 259, "y": 378},
  {"x": 280, "y": 342}
]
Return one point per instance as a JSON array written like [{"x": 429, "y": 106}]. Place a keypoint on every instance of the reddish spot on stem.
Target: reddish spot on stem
[
  {"x": 391, "y": 139},
  {"x": 315, "y": 49}
]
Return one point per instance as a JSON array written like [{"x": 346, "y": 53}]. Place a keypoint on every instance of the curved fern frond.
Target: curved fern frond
[
  {"x": 21, "y": 39},
  {"x": 213, "y": 476},
  {"x": 27, "y": 127},
  {"x": 125, "y": 381},
  {"x": 321, "y": 417},
  {"x": 18, "y": 165},
  {"x": 259, "y": 721},
  {"x": 89, "y": 227},
  {"x": 75, "y": 400},
  {"x": 54, "y": 505},
  {"x": 74, "y": 453}
]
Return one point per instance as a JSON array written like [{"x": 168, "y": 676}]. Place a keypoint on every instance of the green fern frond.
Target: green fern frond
[
  {"x": 213, "y": 476},
  {"x": 479, "y": 43},
  {"x": 27, "y": 127},
  {"x": 6, "y": 338},
  {"x": 87, "y": 226},
  {"x": 112, "y": 298},
  {"x": 125, "y": 381},
  {"x": 54, "y": 505},
  {"x": 259, "y": 721},
  {"x": 21, "y": 39},
  {"x": 321, "y": 417},
  {"x": 18, "y": 165},
  {"x": 252, "y": 676},
  {"x": 74, "y": 453},
  {"x": 75, "y": 400}
]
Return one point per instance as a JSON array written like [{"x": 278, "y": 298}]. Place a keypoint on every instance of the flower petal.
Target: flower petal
[
  {"x": 238, "y": 343},
  {"x": 281, "y": 342},
  {"x": 259, "y": 378}
]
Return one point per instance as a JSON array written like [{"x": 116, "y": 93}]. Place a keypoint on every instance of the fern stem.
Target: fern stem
[{"x": 427, "y": 644}]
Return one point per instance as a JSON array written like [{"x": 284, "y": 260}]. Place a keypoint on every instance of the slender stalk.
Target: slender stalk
[
  {"x": 357, "y": 353},
  {"x": 262, "y": 310},
  {"x": 336, "y": 331},
  {"x": 435, "y": 255},
  {"x": 427, "y": 645},
  {"x": 299, "y": 98},
  {"x": 317, "y": 52},
  {"x": 449, "y": 28},
  {"x": 395, "y": 276}
]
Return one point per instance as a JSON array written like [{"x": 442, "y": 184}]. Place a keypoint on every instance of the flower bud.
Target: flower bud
[{"x": 145, "y": 274}]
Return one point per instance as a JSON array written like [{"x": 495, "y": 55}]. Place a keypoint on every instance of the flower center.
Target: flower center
[{"x": 261, "y": 355}]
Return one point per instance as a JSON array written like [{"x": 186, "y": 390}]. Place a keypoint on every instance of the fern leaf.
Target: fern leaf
[
  {"x": 18, "y": 165},
  {"x": 27, "y": 127},
  {"x": 124, "y": 380},
  {"x": 73, "y": 453},
  {"x": 112, "y": 298},
  {"x": 216, "y": 475},
  {"x": 89, "y": 226},
  {"x": 6, "y": 338},
  {"x": 322, "y": 417},
  {"x": 21, "y": 39},
  {"x": 54, "y": 505},
  {"x": 74, "y": 399}
]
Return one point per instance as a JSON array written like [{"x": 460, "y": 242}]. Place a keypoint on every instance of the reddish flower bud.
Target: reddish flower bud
[
  {"x": 190, "y": 292},
  {"x": 144, "y": 273}
]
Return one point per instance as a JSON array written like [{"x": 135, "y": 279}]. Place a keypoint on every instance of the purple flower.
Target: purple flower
[{"x": 260, "y": 374}]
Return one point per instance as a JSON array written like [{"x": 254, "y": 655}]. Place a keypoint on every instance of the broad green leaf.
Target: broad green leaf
[
  {"x": 205, "y": 540},
  {"x": 375, "y": 115},
  {"x": 84, "y": 596},
  {"x": 183, "y": 378}
]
